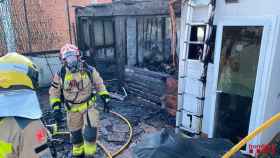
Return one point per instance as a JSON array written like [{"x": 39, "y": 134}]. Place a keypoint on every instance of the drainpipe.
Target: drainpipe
[
  {"x": 68, "y": 20},
  {"x": 6, "y": 20}
]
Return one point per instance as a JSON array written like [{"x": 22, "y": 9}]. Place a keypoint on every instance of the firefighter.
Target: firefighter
[
  {"x": 76, "y": 83},
  {"x": 22, "y": 133}
]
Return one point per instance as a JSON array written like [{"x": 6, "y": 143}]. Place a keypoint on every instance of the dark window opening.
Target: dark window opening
[{"x": 198, "y": 35}]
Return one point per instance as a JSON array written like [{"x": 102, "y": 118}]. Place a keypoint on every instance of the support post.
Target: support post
[
  {"x": 68, "y": 20},
  {"x": 120, "y": 46},
  {"x": 131, "y": 41}
]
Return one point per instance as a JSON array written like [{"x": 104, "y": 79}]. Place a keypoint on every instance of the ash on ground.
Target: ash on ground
[{"x": 145, "y": 117}]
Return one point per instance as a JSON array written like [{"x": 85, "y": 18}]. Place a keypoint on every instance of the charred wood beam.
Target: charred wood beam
[
  {"x": 173, "y": 30},
  {"x": 120, "y": 28},
  {"x": 157, "y": 7},
  {"x": 143, "y": 94},
  {"x": 146, "y": 84},
  {"x": 142, "y": 78},
  {"x": 146, "y": 89},
  {"x": 148, "y": 73}
]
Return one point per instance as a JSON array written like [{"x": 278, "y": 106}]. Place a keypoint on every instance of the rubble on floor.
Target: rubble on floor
[
  {"x": 167, "y": 144},
  {"x": 144, "y": 116}
]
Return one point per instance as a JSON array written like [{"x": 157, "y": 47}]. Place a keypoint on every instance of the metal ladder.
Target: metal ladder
[{"x": 194, "y": 117}]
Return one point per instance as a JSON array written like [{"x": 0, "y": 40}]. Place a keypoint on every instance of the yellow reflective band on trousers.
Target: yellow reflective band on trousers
[
  {"x": 90, "y": 149},
  {"x": 83, "y": 106},
  {"x": 103, "y": 93},
  {"x": 78, "y": 150},
  {"x": 5, "y": 149},
  {"x": 54, "y": 100}
]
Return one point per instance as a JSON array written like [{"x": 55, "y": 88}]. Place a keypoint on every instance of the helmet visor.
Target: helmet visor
[
  {"x": 72, "y": 63},
  {"x": 70, "y": 53}
]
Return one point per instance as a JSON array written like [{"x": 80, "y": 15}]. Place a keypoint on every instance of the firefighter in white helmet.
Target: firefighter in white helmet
[
  {"x": 75, "y": 83},
  {"x": 22, "y": 134}
]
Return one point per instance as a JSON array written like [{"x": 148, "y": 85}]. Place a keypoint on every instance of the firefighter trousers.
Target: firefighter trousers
[{"x": 83, "y": 126}]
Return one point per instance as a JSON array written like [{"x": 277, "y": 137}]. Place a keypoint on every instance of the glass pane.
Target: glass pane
[
  {"x": 98, "y": 33},
  {"x": 237, "y": 75},
  {"x": 239, "y": 60}
]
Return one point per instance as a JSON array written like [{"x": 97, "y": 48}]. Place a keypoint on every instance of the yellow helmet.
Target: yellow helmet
[{"x": 17, "y": 71}]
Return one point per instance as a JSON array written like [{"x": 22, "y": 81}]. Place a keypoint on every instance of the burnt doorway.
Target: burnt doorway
[{"x": 236, "y": 80}]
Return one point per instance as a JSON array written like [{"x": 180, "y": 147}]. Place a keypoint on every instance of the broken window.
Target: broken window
[{"x": 198, "y": 36}]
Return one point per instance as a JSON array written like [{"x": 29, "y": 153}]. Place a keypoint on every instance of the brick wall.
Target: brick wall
[
  {"x": 48, "y": 23},
  {"x": 56, "y": 11}
]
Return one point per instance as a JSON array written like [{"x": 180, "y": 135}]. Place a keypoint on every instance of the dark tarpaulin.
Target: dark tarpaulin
[{"x": 167, "y": 144}]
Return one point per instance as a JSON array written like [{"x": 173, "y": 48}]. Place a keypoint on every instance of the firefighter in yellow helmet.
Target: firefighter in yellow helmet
[
  {"x": 22, "y": 134},
  {"x": 75, "y": 83}
]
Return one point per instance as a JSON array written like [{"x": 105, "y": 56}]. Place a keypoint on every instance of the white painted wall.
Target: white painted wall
[
  {"x": 248, "y": 9},
  {"x": 45, "y": 72},
  {"x": 255, "y": 9},
  {"x": 273, "y": 95}
]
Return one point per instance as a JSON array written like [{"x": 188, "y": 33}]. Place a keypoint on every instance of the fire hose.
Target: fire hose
[
  {"x": 253, "y": 134},
  {"x": 106, "y": 151}
]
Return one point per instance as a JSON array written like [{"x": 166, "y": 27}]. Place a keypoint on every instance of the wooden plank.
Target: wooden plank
[
  {"x": 142, "y": 94},
  {"x": 131, "y": 41},
  {"x": 141, "y": 40},
  {"x": 144, "y": 79},
  {"x": 147, "y": 90},
  {"x": 155, "y": 7},
  {"x": 120, "y": 31},
  {"x": 145, "y": 84},
  {"x": 145, "y": 72}
]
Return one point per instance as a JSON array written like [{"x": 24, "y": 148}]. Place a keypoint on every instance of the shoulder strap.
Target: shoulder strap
[
  {"x": 62, "y": 74},
  {"x": 89, "y": 70}
]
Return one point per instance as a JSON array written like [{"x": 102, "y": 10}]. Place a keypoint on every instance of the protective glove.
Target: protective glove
[
  {"x": 106, "y": 99},
  {"x": 57, "y": 113}
]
